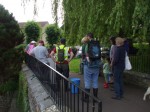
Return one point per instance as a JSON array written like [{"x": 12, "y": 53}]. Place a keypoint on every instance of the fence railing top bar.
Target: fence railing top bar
[
  {"x": 98, "y": 100},
  {"x": 67, "y": 79}
]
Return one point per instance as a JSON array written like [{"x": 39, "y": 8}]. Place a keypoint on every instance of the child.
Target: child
[{"x": 106, "y": 71}]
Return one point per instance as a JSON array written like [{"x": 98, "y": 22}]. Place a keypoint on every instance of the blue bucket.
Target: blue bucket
[{"x": 74, "y": 89}]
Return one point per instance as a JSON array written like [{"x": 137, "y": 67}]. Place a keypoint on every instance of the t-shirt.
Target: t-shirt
[
  {"x": 41, "y": 53},
  {"x": 106, "y": 68}
]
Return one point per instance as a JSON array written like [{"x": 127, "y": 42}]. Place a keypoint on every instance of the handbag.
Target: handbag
[{"x": 128, "y": 65}]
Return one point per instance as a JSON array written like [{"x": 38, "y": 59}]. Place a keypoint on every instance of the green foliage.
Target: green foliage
[
  {"x": 129, "y": 18},
  {"x": 22, "y": 100},
  {"x": 143, "y": 48},
  {"x": 9, "y": 86},
  {"x": 10, "y": 37},
  {"x": 75, "y": 65},
  {"x": 32, "y": 31},
  {"x": 52, "y": 34}
]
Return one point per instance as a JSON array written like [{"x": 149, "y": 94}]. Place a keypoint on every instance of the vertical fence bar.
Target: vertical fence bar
[{"x": 65, "y": 101}]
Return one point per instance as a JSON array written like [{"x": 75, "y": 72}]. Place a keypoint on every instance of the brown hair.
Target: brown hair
[{"x": 41, "y": 42}]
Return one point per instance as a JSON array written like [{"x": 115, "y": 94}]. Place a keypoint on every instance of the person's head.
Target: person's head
[
  {"x": 90, "y": 36},
  {"x": 112, "y": 40},
  {"x": 84, "y": 40},
  {"x": 119, "y": 41},
  {"x": 63, "y": 41},
  {"x": 41, "y": 42},
  {"x": 33, "y": 42}
]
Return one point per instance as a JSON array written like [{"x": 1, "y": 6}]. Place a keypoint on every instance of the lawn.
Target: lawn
[{"x": 75, "y": 65}]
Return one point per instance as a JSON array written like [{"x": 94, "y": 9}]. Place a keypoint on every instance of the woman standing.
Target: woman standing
[{"x": 118, "y": 66}]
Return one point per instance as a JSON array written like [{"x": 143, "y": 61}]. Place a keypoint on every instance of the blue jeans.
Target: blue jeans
[
  {"x": 91, "y": 77},
  {"x": 118, "y": 81}
]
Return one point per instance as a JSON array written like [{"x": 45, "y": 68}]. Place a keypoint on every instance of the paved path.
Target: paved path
[{"x": 132, "y": 101}]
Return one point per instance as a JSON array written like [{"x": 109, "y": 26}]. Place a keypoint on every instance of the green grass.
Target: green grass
[{"x": 74, "y": 65}]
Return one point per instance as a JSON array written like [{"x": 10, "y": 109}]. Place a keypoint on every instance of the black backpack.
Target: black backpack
[
  {"x": 94, "y": 51},
  {"x": 61, "y": 54}
]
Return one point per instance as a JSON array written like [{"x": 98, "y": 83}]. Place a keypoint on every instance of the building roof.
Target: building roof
[{"x": 42, "y": 23}]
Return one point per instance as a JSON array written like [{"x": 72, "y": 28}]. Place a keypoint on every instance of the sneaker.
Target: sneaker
[{"x": 106, "y": 85}]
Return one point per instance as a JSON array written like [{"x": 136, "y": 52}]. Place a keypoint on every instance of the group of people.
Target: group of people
[
  {"x": 113, "y": 67},
  {"x": 41, "y": 53},
  {"x": 62, "y": 55}
]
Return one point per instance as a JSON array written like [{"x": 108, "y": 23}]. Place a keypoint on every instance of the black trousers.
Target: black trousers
[{"x": 64, "y": 70}]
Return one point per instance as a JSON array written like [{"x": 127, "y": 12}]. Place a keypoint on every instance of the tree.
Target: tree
[
  {"x": 32, "y": 31},
  {"x": 104, "y": 18},
  {"x": 127, "y": 18},
  {"x": 52, "y": 34},
  {"x": 10, "y": 37}
]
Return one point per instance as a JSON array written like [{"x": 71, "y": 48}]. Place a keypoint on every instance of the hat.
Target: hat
[{"x": 33, "y": 42}]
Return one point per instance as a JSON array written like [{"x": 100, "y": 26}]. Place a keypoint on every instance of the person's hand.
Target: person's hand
[
  {"x": 68, "y": 60},
  {"x": 111, "y": 65},
  {"x": 88, "y": 59}
]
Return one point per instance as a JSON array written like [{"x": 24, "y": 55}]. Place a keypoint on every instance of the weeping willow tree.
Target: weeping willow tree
[
  {"x": 129, "y": 18},
  {"x": 141, "y": 21},
  {"x": 104, "y": 18}
]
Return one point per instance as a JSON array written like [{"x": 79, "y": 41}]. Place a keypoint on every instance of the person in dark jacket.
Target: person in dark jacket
[{"x": 118, "y": 66}]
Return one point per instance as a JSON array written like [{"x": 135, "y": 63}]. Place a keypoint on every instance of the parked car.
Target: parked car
[
  {"x": 79, "y": 52},
  {"x": 105, "y": 51}
]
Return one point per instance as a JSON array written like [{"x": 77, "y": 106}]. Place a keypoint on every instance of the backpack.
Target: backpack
[
  {"x": 94, "y": 51},
  {"x": 61, "y": 54}
]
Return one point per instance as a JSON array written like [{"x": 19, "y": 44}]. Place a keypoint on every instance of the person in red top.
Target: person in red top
[{"x": 62, "y": 66}]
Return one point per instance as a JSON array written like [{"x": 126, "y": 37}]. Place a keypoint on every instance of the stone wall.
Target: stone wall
[
  {"x": 136, "y": 78},
  {"x": 39, "y": 99}
]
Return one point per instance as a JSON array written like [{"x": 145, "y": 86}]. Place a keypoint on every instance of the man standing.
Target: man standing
[
  {"x": 62, "y": 61},
  {"x": 92, "y": 66},
  {"x": 40, "y": 52}
]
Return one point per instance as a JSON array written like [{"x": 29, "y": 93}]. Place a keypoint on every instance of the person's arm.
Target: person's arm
[
  {"x": 86, "y": 53},
  {"x": 115, "y": 57},
  {"x": 71, "y": 56},
  {"x": 32, "y": 52},
  {"x": 52, "y": 56},
  {"x": 46, "y": 52},
  {"x": 26, "y": 49}
]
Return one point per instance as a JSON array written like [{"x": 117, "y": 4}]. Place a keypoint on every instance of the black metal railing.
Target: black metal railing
[
  {"x": 140, "y": 63},
  {"x": 66, "y": 101}
]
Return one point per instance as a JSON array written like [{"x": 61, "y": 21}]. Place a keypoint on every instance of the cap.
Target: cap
[
  {"x": 63, "y": 40},
  {"x": 112, "y": 38},
  {"x": 33, "y": 42}
]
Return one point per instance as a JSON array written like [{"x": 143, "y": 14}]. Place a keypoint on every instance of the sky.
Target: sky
[{"x": 22, "y": 14}]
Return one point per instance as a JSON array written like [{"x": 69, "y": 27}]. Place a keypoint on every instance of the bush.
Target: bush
[
  {"x": 52, "y": 34},
  {"x": 32, "y": 31},
  {"x": 10, "y": 36},
  {"x": 10, "y": 86},
  {"x": 143, "y": 48},
  {"x": 22, "y": 100}
]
